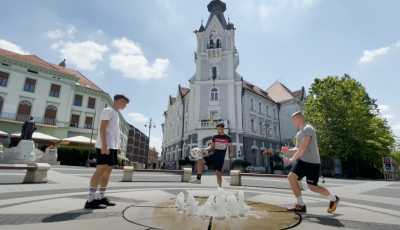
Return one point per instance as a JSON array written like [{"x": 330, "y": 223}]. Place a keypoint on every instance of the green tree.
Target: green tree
[
  {"x": 347, "y": 120},
  {"x": 396, "y": 151}
]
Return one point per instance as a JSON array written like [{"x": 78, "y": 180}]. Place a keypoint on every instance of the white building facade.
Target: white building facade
[
  {"x": 62, "y": 101},
  {"x": 252, "y": 116}
]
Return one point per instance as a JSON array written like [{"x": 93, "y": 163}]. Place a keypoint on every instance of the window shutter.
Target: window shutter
[
  {"x": 4, "y": 75},
  {"x": 92, "y": 101},
  {"x": 55, "y": 88},
  {"x": 30, "y": 81},
  {"x": 78, "y": 97},
  {"x": 75, "y": 119},
  {"x": 89, "y": 120}
]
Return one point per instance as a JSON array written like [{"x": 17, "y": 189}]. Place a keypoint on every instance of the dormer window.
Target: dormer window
[
  {"x": 218, "y": 43},
  {"x": 211, "y": 44}
]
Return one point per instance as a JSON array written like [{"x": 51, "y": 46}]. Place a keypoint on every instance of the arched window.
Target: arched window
[
  {"x": 211, "y": 44},
  {"x": 214, "y": 73},
  {"x": 261, "y": 128},
  {"x": 50, "y": 115},
  {"x": 259, "y": 107},
  {"x": 1, "y": 103},
  {"x": 214, "y": 94},
  {"x": 267, "y": 108},
  {"x": 252, "y": 104},
  {"x": 24, "y": 111},
  {"x": 274, "y": 113},
  {"x": 252, "y": 124},
  {"x": 218, "y": 43}
]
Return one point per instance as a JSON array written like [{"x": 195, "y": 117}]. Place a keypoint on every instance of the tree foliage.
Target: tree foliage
[{"x": 347, "y": 120}]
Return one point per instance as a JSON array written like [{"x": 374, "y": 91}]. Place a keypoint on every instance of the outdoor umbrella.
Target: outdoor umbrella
[
  {"x": 38, "y": 137},
  {"x": 3, "y": 134},
  {"x": 77, "y": 141}
]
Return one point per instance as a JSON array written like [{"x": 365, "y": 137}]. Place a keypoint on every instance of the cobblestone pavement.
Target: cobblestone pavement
[{"x": 365, "y": 204}]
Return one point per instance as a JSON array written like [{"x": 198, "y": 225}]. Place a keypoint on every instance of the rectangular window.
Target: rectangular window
[
  {"x": 74, "y": 121},
  {"x": 91, "y": 103},
  {"x": 3, "y": 79},
  {"x": 261, "y": 128},
  {"x": 78, "y": 100},
  {"x": 30, "y": 85},
  {"x": 55, "y": 90},
  {"x": 88, "y": 122},
  {"x": 252, "y": 125}
]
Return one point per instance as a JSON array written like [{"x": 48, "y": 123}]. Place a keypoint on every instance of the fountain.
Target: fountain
[
  {"x": 192, "y": 205},
  {"x": 241, "y": 204},
  {"x": 232, "y": 205},
  {"x": 180, "y": 201}
]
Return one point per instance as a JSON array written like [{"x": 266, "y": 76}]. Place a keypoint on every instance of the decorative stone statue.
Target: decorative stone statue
[{"x": 27, "y": 129}]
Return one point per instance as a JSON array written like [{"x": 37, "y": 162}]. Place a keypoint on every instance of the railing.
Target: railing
[
  {"x": 23, "y": 118},
  {"x": 205, "y": 124}
]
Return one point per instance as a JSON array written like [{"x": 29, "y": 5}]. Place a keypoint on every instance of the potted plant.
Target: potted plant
[
  {"x": 246, "y": 164},
  {"x": 186, "y": 163},
  {"x": 237, "y": 165}
]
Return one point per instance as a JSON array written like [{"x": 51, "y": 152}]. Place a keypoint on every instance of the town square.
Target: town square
[{"x": 215, "y": 114}]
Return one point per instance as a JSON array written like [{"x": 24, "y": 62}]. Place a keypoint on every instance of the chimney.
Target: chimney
[{"x": 62, "y": 63}]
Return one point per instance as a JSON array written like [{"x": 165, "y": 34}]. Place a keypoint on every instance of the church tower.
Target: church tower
[{"x": 216, "y": 87}]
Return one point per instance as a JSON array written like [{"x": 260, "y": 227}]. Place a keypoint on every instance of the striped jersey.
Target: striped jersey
[{"x": 221, "y": 144}]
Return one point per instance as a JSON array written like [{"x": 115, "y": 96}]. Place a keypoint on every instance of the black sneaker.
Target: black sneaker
[
  {"x": 107, "y": 202},
  {"x": 298, "y": 208},
  {"x": 95, "y": 204}
]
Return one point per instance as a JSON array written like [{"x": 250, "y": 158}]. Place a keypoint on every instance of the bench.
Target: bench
[
  {"x": 128, "y": 173},
  {"x": 35, "y": 172},
  {"x": 236, "y": 177}
]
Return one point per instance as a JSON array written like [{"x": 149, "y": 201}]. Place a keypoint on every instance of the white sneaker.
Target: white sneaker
[{"x": 196, "y": 181}]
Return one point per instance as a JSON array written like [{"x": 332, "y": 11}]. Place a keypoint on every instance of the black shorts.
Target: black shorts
[
  {"x": 104, "y": 159},
  {"x": 216, "y": 161},
  {"x": 309, "y": 170}
]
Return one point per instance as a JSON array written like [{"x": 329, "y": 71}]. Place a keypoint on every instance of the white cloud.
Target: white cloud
[
  {"x": 71, "y": 30},
  {"x": 396, "y": 127},
  {"x": 388, "y": 116},
  {"x": 56, "y": 45},
  {"x": 100, "y": 31},
  {"x": 133, "y": 64},
  {"x": 156, "y": 142},
  {"x": 55, "y": 34},
  {"x": 370, "y": 55},
  {"x": 138, "y": 117},
  {"x": 83, "y": 54},
  {"x": 397, "y": 44},
  {"x": 12, "y": 47},
  {"x": 383, "y": 108}
]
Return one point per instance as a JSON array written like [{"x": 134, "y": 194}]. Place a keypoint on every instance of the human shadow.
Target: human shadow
[
  {"x": 70, "y": 215},
  {"x": 325, "y": 220}
]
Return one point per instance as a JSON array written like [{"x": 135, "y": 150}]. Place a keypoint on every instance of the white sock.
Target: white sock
[
  {"x": 300, "y": 201},
  {"x": 332, "y": 197},
  {"x": 92, "y": 194},
  {"x": 102, "y": 192}
]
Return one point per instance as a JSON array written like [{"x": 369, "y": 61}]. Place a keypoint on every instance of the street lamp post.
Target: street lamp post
[
  {"x": 151, "y": 125},
  {"x": 90, "y": 144}
]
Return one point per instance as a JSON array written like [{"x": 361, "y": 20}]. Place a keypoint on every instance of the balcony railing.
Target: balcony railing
[
  {"x": 23, "y": 118},
  {"x": 205, "y": 124}
]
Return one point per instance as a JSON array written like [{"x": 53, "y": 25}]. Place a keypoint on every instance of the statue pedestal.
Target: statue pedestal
[{"x": 23, "y": 153}]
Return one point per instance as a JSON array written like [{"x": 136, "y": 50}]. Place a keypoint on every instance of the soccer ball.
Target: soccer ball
[{"x": 195, "y": 153}]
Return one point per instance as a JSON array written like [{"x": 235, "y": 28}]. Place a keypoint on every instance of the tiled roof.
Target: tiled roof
[
  {"x": 257, "y": 90},
  {"x": 173, "y": 99},
  {"x": 297, "y": 93},
  {"x": 36, "y": 60},
  {"x": 184, "y": 90}
]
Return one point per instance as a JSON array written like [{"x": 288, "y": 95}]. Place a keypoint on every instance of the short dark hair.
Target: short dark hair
[
  {"x": 119, "y": 96},
  {"x": 221, "y": 125}
]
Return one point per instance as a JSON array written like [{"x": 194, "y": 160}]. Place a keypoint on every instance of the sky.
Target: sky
[{"x": 144, "y": 49}]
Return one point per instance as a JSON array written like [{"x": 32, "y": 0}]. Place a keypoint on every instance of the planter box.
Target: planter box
[
  {"x": 50, "y": 155},
  {"x": 186, "y": 166}
]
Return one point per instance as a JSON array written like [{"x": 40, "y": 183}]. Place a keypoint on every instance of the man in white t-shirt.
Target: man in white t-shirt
[{"x": 107, "y": 147}]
